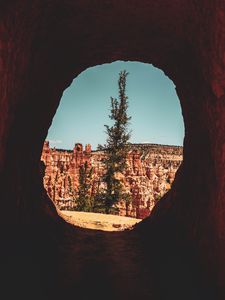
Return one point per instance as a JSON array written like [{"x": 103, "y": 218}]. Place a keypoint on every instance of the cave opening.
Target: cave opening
[
  {"x": 43, "y": 47},
  {"x": 155, "y": 144}
]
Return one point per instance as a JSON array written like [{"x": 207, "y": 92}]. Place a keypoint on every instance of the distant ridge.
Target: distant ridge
[
  {"x": 140, "y": 146},
  {"x": 154, "y": 145}
]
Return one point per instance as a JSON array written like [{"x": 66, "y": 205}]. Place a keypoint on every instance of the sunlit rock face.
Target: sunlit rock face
[
  {"x": 149, "y": 174},
  {"x": 44, "y": 46}
]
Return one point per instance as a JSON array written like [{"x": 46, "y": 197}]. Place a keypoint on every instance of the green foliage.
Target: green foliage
[
  {"x": 116, "y": 147},
  {"x": 55, "y": 183},
  {"x": 127, "y": 198},
  {"x": 99, "y": 203},
  {"x": 157, "y": 198},
  {"x": 85, "y": 202},
  {"x": 70, "y": 187},
  {"x": 72, "y": 192}
]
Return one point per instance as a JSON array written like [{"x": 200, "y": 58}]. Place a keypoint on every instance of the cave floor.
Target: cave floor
[
  {"x": 90, "y": 264},
  {"x": 124, "y": 265}
]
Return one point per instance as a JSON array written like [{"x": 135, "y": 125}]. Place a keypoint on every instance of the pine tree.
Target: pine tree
[
  {"x": 84, "y": 201},
  {"x": 54, "y": 187},
  {"x": 71, "y": 193},
  {"x": 116, "y": 147}
]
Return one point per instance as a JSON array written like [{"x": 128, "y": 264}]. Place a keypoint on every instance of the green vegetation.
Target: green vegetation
[
  {"x": 116, "y": 148},
  {"x": 85, "y": 201},
  {"x": 54, "y": 186}
]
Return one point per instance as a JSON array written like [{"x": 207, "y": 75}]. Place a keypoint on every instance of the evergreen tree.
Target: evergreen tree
[
  {"x": 84, "y": 201},
  {"x": 70, "y": 186},
  {"x": 54, "y": 187},
  {"x": 116, "y": 147},
  {"x": 71, "y": 193}
]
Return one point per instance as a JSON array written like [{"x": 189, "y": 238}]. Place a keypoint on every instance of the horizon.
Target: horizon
[
  {"x": 92, "y": 149},
  {"x": 153, "y": 105}
]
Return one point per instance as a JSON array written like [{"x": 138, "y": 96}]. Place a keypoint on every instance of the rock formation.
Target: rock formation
[{"x": 150, "y": 172}]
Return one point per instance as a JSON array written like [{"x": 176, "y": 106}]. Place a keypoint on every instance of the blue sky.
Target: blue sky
[{"x": 85, "y": 106}]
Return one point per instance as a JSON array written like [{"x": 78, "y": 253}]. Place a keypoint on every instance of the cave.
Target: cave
[{"x": 179, "y": 251}]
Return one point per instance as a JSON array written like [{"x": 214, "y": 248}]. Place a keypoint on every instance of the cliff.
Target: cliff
[{"x": 149, "y": 175}]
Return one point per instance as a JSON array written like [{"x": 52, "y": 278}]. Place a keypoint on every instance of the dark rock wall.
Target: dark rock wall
[{"x": 45, "y": 44}]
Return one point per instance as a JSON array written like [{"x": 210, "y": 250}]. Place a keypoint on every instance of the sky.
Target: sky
[{"x": 154, "y": 107}]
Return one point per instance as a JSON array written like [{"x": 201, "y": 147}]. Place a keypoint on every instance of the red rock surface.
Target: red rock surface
[
  {"x": 150, "y": 172},
  {"x": 179, "y": 251}
]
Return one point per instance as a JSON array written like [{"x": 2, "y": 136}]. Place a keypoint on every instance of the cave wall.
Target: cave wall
[{"x": 44, "y": 45}]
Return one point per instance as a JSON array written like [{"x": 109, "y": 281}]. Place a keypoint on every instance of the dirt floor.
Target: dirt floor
[{"x": 98, "y": 221}]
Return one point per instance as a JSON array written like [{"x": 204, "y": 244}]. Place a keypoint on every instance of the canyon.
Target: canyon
[{"x": 149, "y": 175}]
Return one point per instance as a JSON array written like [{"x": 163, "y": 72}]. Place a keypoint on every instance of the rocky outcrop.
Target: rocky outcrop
[{"x": 149, "y": 175}]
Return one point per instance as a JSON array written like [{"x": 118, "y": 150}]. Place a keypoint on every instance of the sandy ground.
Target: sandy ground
[{"x": 98, "y": 221}]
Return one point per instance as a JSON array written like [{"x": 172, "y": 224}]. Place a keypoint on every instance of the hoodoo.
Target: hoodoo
[
  {"x": 148, "y": 176},
  {"x": 179, "y": 251}
]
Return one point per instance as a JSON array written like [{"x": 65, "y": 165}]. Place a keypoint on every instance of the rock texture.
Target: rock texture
[
  {"x": 179, "y": 251},
  {"x": 150, "y": 172}
]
